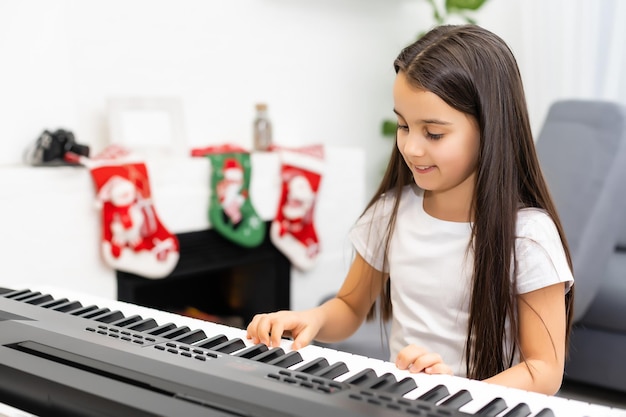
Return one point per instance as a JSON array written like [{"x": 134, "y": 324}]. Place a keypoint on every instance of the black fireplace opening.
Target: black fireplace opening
[{"x": 216, "y": 280}]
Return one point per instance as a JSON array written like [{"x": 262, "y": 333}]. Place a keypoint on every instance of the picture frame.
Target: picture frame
[{"x": 149, "y": 125}]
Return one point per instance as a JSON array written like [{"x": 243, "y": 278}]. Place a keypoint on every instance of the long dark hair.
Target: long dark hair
[{"x": 475, "y": 72}]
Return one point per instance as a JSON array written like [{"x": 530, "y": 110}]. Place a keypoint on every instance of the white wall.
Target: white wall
[{"x": 324, "y": 67}]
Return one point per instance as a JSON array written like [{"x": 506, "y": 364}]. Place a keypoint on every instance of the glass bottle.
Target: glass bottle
[{"x": 262, "y": 129}]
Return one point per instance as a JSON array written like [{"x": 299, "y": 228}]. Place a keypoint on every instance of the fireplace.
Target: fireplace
[{"x": 218, "y": 278}]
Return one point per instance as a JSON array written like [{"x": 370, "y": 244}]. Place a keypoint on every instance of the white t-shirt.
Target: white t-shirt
[{"x": 430, "y": 269}]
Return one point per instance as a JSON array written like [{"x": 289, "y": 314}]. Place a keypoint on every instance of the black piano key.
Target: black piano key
[
  {"x": 313, "y": 366},
  {"x": 26, "y": 296},
  {"x": 81, "y": 310},
  {"x": 126, "y": 321},
  {"x": 191, "y": 337},
  {"x": 40, "y": 299},
  {"x": 332, "y": 371},
  {"x": 383, "y": 381},
  {"x": 364, "y": 378},
  {"x": 252, "y": 351},
  {"x": 492, "y": 408},
  {"x": 546, "y": 412},
  {"x": 162, "y": 329},
  {"x": 143, "y": 325},
  {"x": 29, "y": 297},
  {"x": 286, "y": 361},
  {"x": 269, "y": 355},
  {"x": 175, "y": 332},
  {"x": 435, "y": 394},
  {"x": 230, "y": 346},
  {"x": 110, "y": 317},
  {"x": 15, "y": 293},
  {"x": 68, "y": 306},
  {"x": 402, "y": 387},
  {"x": 213, "y": 341},
  {"x": 53, "y": 303},
  {"x": 458, "y": 399},
  {"x": 520, "y": 410},
  {"x": 94, "y": 313}
]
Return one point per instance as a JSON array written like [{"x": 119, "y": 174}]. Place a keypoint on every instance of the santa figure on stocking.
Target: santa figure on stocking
[{"x": 229, "y": 191}]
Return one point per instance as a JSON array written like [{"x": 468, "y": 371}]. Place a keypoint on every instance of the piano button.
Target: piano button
[
  {"x": 364, "y": 378},
  {"x": 213, "y": 341},
  {"x": 53, "y": 303},
  {"x": 435, "y": 394},
  {"x": 458, "y": 399},
  {"x": 520, "y": 410},
  {"x": 110, "y": 317},
  {"x": 252, "y": 351},
  {"x": 269, "y": 355},
  {"x": 161, "y": 329},
  {"x": 143, "y": 325},
  {"x": 492, "y": 408},
  {"x": 126, "y": 321},
  {"x": 332, "y": 371},
  {"x": 175, "y": 332},
  {"x": 68, "y": 306},
  {"x": 230, "y": 346},
  {"x": 313, "y": 366},
  {"x": 288, "y": 360},
  {"x": 39, "y": 299},
  {"x": 191, "y": 337}
]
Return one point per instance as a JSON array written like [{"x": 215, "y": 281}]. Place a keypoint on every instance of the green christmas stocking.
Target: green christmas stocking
[{"x": 230, "y": 210}]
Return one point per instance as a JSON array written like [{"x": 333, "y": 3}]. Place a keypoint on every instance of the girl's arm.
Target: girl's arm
[
  {"x": 332, "y": 321},
  {"x": 542, "y": 328}
]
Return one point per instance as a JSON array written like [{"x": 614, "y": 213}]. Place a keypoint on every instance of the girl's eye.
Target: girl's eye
[
  {"x": 434, "y": 136},
  {"x": 403, "y": 127}
]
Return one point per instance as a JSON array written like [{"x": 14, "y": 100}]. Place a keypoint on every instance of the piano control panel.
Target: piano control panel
[{"x": 73, "y": 354}]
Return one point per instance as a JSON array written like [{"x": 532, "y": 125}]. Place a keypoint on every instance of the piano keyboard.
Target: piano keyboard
[{"x": 378, "y": 384}]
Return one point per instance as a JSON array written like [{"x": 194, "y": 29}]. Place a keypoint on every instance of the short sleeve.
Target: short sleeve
[
  {"x": 541, "y": 259},
  {"x": 368, "y": 235}
]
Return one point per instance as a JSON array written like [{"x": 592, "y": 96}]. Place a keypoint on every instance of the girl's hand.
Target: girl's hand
[
  {"x": 417, "y": 359},
  {"x": 269, "y": 328}
]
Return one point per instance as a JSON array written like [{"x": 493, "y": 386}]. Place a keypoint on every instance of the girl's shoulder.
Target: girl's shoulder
[
  {"x": 536, "y": 227},
  {"x": 530, "y": 219}
]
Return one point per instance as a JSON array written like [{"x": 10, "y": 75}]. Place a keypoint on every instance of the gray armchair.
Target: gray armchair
[{"x": 582, "y": 151}]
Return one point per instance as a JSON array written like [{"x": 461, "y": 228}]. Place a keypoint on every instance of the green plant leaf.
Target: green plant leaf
[
  {"x": 389, "y": 128},
  {"x": 464, "y": 4}
]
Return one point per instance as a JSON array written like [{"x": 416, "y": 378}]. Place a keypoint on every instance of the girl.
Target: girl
[{"x": 461, "y": 244}]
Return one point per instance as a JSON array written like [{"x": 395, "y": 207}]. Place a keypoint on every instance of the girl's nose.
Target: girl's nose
[{"x": 414, "y": 145}]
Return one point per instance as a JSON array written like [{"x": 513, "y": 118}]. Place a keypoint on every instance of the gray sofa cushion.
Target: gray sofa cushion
[
  {"x": 608, "y": 309},
  {"x": 582, "y": 151}
]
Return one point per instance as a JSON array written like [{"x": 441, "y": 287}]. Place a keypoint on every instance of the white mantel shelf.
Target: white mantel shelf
[{"x": 51, "y": 228}]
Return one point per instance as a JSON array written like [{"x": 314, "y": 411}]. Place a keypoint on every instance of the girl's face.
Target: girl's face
[{"x": 439, "y": 144}]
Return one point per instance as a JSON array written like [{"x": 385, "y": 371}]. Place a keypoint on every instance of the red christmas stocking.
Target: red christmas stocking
[
  {"x": 292, "y": 230},
  {"x": 133, "y": 238}
]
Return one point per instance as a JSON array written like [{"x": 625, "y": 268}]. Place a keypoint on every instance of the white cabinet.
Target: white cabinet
[{"x": 51, "y": 228}]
